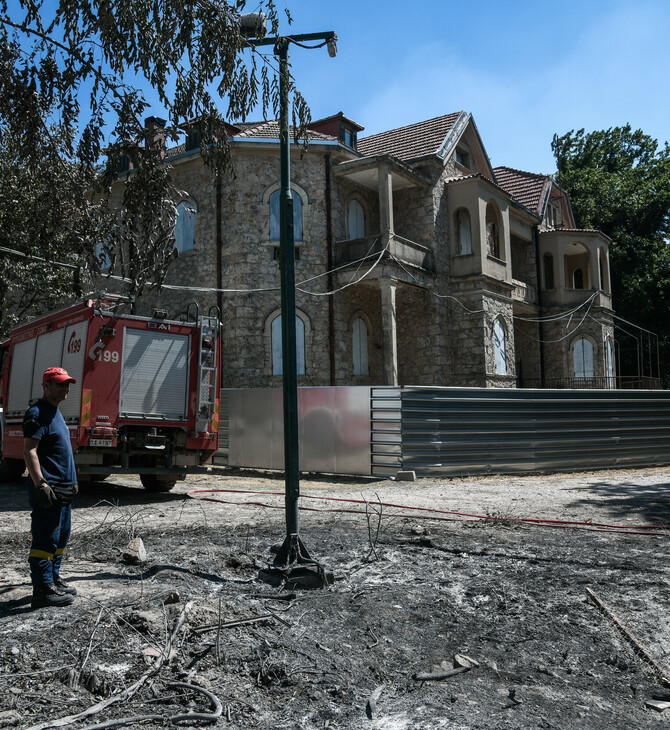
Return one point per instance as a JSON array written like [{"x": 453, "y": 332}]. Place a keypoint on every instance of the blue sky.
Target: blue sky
[{"x": 525, "y": 70}]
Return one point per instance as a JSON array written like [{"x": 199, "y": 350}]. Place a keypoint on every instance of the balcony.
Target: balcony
[
  {"x": 565, "y": 297},
  {"x": 523, "y": 292},
  {"x": 409, "y": 252}
]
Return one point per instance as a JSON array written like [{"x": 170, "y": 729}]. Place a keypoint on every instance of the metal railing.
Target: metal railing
[{"x": 618, "y": 382}]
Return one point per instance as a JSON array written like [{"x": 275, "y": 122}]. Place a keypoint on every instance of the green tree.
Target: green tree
[
  {"x": 71, "y": 104},
  {"x": 619, "y": 182}
]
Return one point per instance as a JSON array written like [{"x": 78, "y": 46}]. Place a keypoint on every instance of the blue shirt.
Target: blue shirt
[{"x": 46, "y": 423}]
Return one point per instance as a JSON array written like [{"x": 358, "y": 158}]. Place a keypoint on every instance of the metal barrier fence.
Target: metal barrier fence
[
  {"x": 450, "y": 431},
  {"x": 333, "y": 426},
  {"x": 476, "y": 431}
]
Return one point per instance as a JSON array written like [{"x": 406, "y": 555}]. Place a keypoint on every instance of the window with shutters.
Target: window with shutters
[
  {"x": 359, "y": 334},
  {"x": 499, "y": 347},
  {"x": 463, "y": 231},
  {"x": 276, "y": 335},
  {"x": 274, "y": 215},
  {"x": 184, "y": 232},
  {"x": 609, "y": 363},
  {"x": 355, "y": 219},
  {"x": 582, "y": 357}
]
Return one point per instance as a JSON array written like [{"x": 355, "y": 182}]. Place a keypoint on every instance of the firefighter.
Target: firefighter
[{"x": 52, "y": 484}]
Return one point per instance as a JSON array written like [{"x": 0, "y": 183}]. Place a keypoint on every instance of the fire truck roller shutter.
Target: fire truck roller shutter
[
  {"x": 21, "y": 376},
  {"x": 48, "y": 354},
  {"x": 154, "y": 374}
]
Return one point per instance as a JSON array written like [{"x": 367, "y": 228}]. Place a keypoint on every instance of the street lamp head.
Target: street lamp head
[
  {"x": 332, "y": 46},
  {"x": 253, "y": 25}
]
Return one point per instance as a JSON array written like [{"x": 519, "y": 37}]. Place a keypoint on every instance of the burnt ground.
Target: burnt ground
[{"x": 414, "y": 590}]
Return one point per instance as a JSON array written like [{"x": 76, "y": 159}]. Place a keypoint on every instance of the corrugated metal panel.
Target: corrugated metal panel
[
  {"x": 21, "y": 377},
  {"x": 74, "y": 350},
  {"x": 461, "y": 431},
  {"x": 221, "y": 456},
  {"x": 385, "y": 431},
  {"x": 454, "y": 431},
  {"x": 48, "y": 354},
  {"x": 154, "y": 375}
]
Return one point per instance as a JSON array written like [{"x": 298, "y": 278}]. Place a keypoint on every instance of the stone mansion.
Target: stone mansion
[{"x": 417, "y": 263}]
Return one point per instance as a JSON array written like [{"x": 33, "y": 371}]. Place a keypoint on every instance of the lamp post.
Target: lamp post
[{"x": 293, "y": 564}]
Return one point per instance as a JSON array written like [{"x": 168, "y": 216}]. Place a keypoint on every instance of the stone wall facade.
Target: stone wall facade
[{"x": 444, "y": 316}]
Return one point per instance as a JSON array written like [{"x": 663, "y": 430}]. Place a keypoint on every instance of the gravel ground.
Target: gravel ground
[{"x": 548, "y": 593}]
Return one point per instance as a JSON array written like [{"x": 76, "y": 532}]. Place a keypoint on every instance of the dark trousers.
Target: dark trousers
[{"x": 50, "y": 529}]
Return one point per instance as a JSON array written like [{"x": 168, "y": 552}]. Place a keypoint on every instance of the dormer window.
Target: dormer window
[
  {"x": 347, "y": 136},
  {"x": 554, "y": 218},
  {"x": 193, "y": 139}
]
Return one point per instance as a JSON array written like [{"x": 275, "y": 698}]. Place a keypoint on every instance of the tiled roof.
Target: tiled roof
[
  {"x": 527, "y": 188},
  {"x": 410, "y": 142},
  {"x": 270, "y": 130},
  {"x": 264, "y": 130},
  {"x": 177, "y": 150}
]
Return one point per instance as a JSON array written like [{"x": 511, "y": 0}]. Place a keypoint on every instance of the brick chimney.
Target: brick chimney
[{"x": 154, "y": 134}]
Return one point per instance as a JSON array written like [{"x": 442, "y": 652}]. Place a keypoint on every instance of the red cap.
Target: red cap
[{"x": 57, "y": 375}]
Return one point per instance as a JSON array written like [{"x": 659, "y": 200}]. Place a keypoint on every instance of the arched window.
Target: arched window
[
  {"x": 499, "y": 346},
  {"x": 274, "y": 216},
  {"x": 355, "y": 219},
  {"x": 582, "y": 356},
  {"x": 577, "y": 264},
  {"x": 103, "y": 255},
  {"x": 548, "y": 262},
  {"x": 493, "y": 231},
  {"x": 359, "y": 335},
  {"x": 277, "y": 368},
  {"x": 609, "y": 363},
  {"x": 184, "y": 232},
  {"x": 463, "y": 231}
]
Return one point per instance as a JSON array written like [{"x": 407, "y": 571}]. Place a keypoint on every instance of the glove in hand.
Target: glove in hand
[{"x": 44, "y": 496}]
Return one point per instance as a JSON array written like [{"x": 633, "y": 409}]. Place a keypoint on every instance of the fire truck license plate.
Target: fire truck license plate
[{"x": 100, "y": 442}]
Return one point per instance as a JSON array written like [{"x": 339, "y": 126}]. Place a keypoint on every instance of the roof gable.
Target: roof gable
[
  {"x": 535, "y": 192},
  {"x": 412, "y": 141},
  {"x": 527, "y": 188}
]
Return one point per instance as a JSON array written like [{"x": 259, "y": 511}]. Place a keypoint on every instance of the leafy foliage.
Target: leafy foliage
[
  {"x": 619, "y": 182},
  {"x": 71, "y": 75}
]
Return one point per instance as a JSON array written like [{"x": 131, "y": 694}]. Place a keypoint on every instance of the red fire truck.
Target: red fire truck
[{"x": 146, "y": 400}]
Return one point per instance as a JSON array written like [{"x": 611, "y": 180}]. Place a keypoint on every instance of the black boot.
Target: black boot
[
  {"x": 48, "y": 595},
  {"x": 64, "y": 587}
]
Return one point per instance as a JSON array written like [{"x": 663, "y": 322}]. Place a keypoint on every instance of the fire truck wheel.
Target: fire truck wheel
[
  {"x": 11, "y": 470},
  {"x": 154, "y": 483}
]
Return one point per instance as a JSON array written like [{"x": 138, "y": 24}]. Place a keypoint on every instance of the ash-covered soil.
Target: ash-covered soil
[{"x": 192, "y": 637}]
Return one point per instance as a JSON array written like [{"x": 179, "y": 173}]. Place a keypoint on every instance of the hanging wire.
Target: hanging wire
[
  {"x": 440, "y": 297},
  {"x": 181, "y": 287},
  {"x": 351, "y": 282},
  {"x": 568, "y": 334},
  {"x": 562, "y": 315}
]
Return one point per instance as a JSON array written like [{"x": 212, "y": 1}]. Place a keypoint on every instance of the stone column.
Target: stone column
[
  {"x": 594, "y": 263},
  {"x": 385, "y": 183},
  {"x": 559, "y": 272},
  {"x": 389, "y": 337}
]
